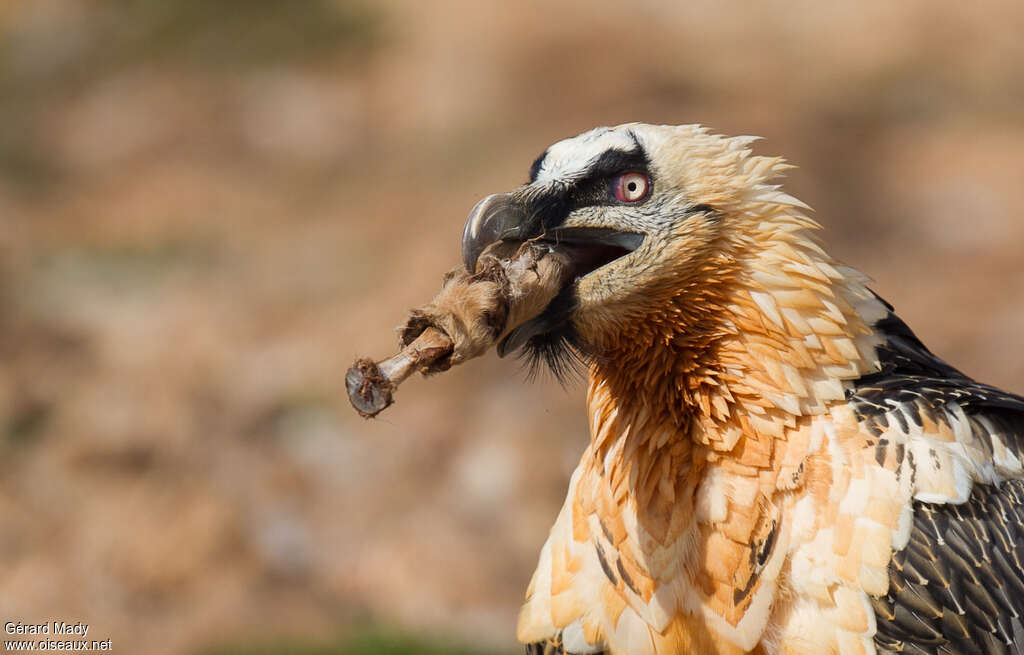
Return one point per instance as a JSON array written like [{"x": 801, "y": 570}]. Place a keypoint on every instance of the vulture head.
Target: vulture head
[{"x": 659, "y": 222}]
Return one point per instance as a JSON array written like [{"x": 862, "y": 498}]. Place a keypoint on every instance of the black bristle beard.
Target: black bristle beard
[
  {"x": 556, "y": 352},
  {"x": 556, "y": 346},
  {"x": 561, "y": 350}
]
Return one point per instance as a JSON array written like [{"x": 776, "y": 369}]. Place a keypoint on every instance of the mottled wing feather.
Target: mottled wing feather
[
  {"x": 919, "y": 402},
  {"x": 911, "y": 374},
  {"x": 958, "y": 586}
]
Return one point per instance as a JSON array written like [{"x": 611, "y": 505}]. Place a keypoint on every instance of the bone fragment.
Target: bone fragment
[{"x": 513, "y": 283}]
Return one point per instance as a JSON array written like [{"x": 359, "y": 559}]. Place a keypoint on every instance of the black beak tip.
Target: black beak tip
[
  {"x": 471, "y": 246},
  {"x": 494, "y": 218}
]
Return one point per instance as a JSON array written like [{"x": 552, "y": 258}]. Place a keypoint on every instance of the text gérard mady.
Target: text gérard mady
[{"x": 54, "y": 627}]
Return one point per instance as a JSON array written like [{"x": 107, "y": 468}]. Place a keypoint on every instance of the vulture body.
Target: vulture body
[{"x": 776, "y": 463}]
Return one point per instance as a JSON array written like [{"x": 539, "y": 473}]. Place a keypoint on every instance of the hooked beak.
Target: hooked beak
[
  {"x": 507, "y": 217},
  {"x": 494, "y": 218}
]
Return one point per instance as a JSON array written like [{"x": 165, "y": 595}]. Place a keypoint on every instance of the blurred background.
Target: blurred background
[{"x": 209, "y": 209}]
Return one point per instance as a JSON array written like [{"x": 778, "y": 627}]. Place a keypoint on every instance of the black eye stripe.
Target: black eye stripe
[
  {"x": 595, "y": 188},
  {"x": 612, "y": 163},
  {"x": 535, "y": 167},
  {"x": 552, "y": 205}
]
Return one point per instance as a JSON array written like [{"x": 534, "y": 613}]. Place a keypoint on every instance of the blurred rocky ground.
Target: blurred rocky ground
[{"x": 207, "y": 210}]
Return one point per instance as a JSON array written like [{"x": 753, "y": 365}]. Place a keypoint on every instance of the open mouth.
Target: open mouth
[
  {"x": 592, "y": 248},
  {"x": 588, "y": 249},
  {"x": 503, "y": 217}
]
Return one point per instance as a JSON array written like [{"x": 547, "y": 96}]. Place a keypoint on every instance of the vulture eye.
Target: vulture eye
[{"x": 631, "y": 187}]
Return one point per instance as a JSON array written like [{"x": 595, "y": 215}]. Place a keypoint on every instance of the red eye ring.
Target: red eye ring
[{"x": 631, "y": 187}]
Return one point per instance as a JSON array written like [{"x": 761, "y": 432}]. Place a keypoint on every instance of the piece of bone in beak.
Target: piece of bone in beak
[
  {"x": 371, "y": 385},
  {"x": 513, "y": 283}
]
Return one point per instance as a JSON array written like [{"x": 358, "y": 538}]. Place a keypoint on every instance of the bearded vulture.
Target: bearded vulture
[{"x": 776, "y": 463}]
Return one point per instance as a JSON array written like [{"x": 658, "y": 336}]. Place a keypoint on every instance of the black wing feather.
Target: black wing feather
[{"x": 957, "y": 588}]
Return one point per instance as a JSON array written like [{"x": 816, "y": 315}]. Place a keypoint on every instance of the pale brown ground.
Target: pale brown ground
[{"x": 195, "y": 246}]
